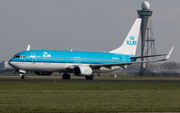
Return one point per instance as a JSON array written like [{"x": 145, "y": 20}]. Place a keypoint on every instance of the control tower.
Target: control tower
[{"x": 147, "y": 38}]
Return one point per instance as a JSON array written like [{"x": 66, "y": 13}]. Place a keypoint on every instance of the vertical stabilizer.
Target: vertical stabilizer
[
  {"x": 130, "y": 43},
  {"x": 28, "y": 48}
]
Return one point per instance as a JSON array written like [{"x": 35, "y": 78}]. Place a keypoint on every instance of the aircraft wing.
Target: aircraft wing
[
  {"x": 148, "y": 56},
  {"x": 128, "y": 63}
]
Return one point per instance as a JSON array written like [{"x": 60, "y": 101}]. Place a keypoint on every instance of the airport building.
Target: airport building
[{"x": 4, "y": 65}]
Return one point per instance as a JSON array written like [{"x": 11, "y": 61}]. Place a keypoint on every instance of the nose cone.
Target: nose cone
[{"x": 11, "y": 63}]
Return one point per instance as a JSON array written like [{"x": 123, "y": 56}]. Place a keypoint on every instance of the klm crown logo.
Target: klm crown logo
[
  {"x": 86, "y": 70},
  {"x": 131, "y": 41},
  {"x": 131, "y": 37}
]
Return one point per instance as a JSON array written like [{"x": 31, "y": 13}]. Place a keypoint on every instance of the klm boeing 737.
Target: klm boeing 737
[{"x": 45, "y": 62}]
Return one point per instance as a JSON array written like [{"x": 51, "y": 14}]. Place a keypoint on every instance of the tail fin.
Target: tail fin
[
  {"x": 28, "y": 48},
  {"x": 130, "y": 43}
]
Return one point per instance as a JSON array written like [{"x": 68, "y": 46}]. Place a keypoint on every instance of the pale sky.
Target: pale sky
[{"x": 83, "y": 25}]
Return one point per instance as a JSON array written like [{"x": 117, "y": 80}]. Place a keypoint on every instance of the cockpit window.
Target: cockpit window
[
  {"x": 18, "y": 56},
  {"x": 22, "y": 56}
]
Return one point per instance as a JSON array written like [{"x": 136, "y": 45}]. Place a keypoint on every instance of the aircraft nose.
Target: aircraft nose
[
  {"x": 10, "y": 63},
  {"x": 13, "y": 64}
]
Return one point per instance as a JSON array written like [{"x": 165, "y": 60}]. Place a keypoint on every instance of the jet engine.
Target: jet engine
[
  {"x": 83, "y": 71},
  {"x": 42, "y": 73}
]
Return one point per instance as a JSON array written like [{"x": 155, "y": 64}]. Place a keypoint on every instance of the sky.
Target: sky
[{"x": 83, "y": 25}]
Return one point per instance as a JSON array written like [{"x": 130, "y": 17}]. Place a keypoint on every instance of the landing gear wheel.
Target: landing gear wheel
[
  {"x": 66, "y": 76},
  {"x": 23, "y": 76},
  {"x": 89, "y": 77}
]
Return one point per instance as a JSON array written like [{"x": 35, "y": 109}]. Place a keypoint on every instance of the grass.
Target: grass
[{"x": 89, "y": 97}]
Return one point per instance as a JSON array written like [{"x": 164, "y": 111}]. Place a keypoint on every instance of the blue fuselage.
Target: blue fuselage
[{"x": 70, "y": 57}]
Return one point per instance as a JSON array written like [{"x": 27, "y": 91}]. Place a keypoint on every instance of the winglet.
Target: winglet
[
  {"x": 168, "y": 55},
  {"x": 28, "y": 48}
]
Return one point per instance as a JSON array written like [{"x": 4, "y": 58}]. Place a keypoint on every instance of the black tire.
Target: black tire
[
  {"x": 87, "y": 77},
  {"x": 91, "y": 77},
  {"x": 64, "y": 76},
  {"x": 68, "y": 76},
  {"x": 23, "y": 77}
]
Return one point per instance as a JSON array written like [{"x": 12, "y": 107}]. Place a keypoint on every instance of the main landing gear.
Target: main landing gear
[
  {"x": 66, "y": 76},
  {"x": 22, "y": 76},
  {"x": 89, "y": 77}
]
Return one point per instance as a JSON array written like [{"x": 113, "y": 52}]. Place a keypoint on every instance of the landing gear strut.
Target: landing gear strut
[
  {"x": 66, "y": 76},
  {"x": 89, "y": 77},
  {"x": 22, "y": 76}
]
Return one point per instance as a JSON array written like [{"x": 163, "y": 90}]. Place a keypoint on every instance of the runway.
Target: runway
[{"x": 81, "y": 80}]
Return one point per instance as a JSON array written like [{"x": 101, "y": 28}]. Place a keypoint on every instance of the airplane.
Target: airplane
[{"x": 45, "y": 62}]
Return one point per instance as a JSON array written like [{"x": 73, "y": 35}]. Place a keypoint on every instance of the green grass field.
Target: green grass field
[{"x": 89, "y": 97}]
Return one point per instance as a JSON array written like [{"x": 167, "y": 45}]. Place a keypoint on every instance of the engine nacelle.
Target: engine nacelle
[
  {"x": 83, "y": 71},
  {"x": 42, "y": 73}
]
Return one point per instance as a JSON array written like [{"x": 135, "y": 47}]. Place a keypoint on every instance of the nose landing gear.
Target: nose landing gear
[{"x": 22, "y": 76}]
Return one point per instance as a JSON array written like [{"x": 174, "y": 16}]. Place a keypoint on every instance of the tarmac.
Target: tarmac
[{"x": 83, "y": 80}]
